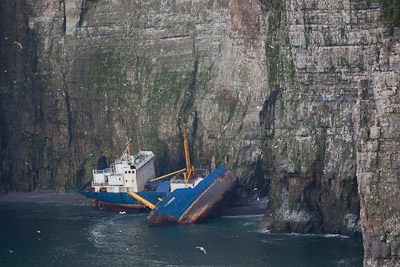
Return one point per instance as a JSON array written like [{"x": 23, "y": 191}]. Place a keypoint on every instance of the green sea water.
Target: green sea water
[{"x": 56, "y": 235}]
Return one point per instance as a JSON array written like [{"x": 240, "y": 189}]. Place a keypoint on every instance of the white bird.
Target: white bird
[
  {"x": 19, "y": 44},
  {"x": 258, "y": 199},
  {"x": 38, "y": 232},
  {"x": 202, "y": 249},
  {"x": 122, "y": 212},
  {"x": 255, "y": 189},
  {"x": 10, "y": 251}
]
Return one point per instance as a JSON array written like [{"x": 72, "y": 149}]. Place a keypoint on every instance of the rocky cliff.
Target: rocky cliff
[
  {"x": 331, "y": 121},
  {"x": 90, "y": 74},
  {"x": 314, "y": 63},
  {"x": 300, "y": 98}
]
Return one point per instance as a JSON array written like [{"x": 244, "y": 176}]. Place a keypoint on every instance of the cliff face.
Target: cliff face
[
  {"x": 314, "y": 65},
  {"x": 377, "y": 124},
  {"x": 299, "y": 98},
  {"x": 330, "y": 123},
  {"x": 92, "y": 73}
]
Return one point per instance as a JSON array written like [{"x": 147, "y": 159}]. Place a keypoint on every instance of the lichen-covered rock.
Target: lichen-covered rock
[
  {"x": 331, "y": 122},
  {"x": 93, "y": 73},
  {"x": 313, "y": 59},
  {"x": 299, "y": 98},
  {"x": 377, "y": 120}
]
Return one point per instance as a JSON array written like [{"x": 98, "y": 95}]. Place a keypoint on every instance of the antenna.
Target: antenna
[
  {"x": 127, "y": 149},
  {"x": 138, "y": 141}
]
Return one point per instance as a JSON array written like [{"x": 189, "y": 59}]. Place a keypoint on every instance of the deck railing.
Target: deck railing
[{"x": 108, "y": 170}]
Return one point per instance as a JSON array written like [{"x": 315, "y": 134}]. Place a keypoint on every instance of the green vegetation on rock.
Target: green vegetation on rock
[{"x": 390, "y": 12}]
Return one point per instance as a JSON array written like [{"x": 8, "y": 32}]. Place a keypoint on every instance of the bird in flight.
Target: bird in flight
[
  {"x": 19, "y": 44},
  {"x": 202, "y": 249}
]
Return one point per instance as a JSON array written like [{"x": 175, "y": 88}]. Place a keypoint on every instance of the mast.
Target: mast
[
  {"x": 185, "y": 143},
  {"x": 188, "y": 173},
  {"x": 129, "y": 152}
]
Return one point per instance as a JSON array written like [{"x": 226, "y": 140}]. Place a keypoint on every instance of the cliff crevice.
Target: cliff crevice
[{"x": 299, "y": 98}]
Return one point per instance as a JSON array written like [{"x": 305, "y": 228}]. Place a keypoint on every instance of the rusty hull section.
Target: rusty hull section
[
  {"x": 212, "y": 202},
  {"x": 209, "y": 203}
]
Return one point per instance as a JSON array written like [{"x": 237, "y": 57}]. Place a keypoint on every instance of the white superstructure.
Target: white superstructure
[
  {"x": 181, "y": 183},
  {"x": 126, "y": 173}
]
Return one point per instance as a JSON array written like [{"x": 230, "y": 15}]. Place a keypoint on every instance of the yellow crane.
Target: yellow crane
[
  {"x": 140, "y": 199},
  {"x": 189, "y": 168},
  {"x": 188, "y": 172}
]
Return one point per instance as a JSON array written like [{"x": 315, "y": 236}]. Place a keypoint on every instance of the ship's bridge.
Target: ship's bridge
[{"x": 126, "y": 172}]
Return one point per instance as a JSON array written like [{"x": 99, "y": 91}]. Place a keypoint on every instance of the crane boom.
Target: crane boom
[{"x": 189, "y": 172}]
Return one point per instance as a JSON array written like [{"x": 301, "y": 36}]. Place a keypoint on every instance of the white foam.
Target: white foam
[
  {"x": 318, "y": 235},
  {"x": 256, "y": 216},
  {"x": 263, "y": 231}
]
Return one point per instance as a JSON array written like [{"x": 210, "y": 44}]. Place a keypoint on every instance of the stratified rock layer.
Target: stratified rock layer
[
  {"x": 299, "y": 98},
  {"x": 93, "y": 73},
  {"x": 315, "y": 61},
  {"x": 331, "y": 121},
  {"x": 377, "y": 124}
]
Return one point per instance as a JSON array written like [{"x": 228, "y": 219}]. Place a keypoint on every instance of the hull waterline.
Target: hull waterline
[{"x": 194, "y": 205}]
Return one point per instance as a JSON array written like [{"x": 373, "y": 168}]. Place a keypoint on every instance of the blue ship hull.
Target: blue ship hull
[
  {"x": 119, "y": 201},
  {"x": 193, "y": 205}
]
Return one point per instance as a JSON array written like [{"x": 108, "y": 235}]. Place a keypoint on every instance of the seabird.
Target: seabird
[
  {"x": 19, "y": 44},
  {"x": 202, "y": 249}
]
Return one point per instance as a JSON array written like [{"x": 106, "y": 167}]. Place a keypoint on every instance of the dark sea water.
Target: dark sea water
[{"x": 55, "y": 235}]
